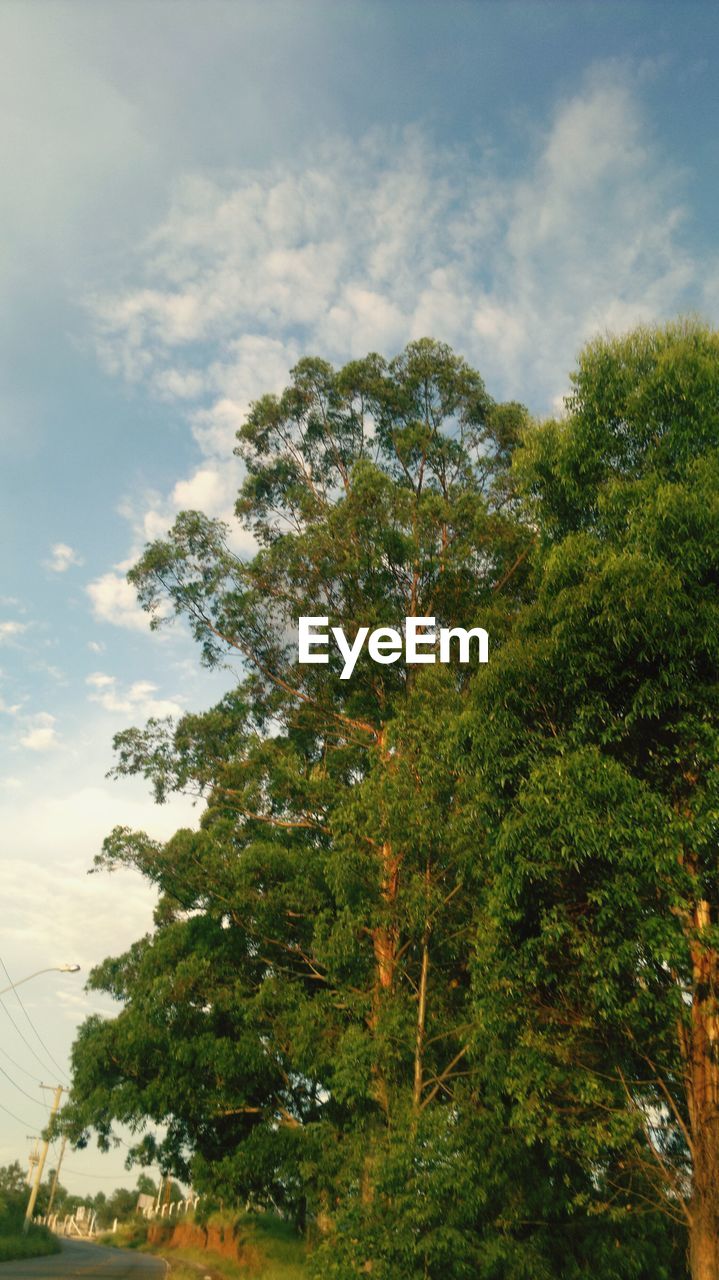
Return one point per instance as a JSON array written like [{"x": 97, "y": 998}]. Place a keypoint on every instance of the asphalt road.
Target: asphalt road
[{"x": 81, "y": 1260}]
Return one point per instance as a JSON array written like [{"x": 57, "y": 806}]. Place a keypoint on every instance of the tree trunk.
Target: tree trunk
[
  {"x": 704, "y": 1205},
  {"x": 703, "y": 1248},
  {"x": 421, "y": 1025},
  {"x": 700, "y": 1050},
  {"x": 384, "y": 942},
  {"x": 384, "y": 937}
]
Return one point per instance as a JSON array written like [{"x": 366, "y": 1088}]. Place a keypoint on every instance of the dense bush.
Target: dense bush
[
  {"x": 13, "y": 1243},
  {"x": 37, "y": 1242}
]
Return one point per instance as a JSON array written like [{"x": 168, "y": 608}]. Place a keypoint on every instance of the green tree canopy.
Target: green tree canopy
[
  {"x": 303, "y": 999},
  {"x": 434, "y": 971},
  {"x": 596, "y": 748}
]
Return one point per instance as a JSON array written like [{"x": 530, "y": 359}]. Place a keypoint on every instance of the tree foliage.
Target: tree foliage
[
  {"x": 305, "y": 992},
  {"x": 602, "y": 819},
  {"x": 436, "y": 974}
]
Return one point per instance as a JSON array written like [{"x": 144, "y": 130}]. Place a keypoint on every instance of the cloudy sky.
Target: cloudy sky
[{"x": 194, "y": 194}]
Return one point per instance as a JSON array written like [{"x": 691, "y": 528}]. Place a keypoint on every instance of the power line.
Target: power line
[
  {"x": 30, "y": 1021},
  {"x": 55, "y": 1063},
  {"x": 20, "y": 1089},
  {"x": 23, "y": 1037},
  {"x": 19, "y": 1119},
  {"x": 18, "y": 1067}
]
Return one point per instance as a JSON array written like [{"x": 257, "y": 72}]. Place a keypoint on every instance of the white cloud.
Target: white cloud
[
  {"x": 49, "y": 668},
  {"x": 213, "y": 490},
  {"x": 138, "y": 697},
  {"x": 204, "y": 491},
  {"x": 83, "y": 909},
  {"x": 375, "y": 242},
  {"x": 98, "y": 680},
  {"x": 62, "y": 557},
  {"x": 95, "y": 646},
  {"x": 366, "y": 245},
  {"x": 114, "y": 600},
  {"x": 10, "y": 629},
  {"x": 41, "y": 734},
  {"x": 172, "y": 384}
]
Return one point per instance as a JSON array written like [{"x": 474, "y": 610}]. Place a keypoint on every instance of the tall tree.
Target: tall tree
[
  {"x": 596, "y": 748},
  {"x": 305, "y": 996}
]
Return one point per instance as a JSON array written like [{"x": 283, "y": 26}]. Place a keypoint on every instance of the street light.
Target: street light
[{"x": 54, "y": 968}]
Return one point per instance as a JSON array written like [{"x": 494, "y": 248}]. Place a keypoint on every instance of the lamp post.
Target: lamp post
[{"x": 54, "y": 968}]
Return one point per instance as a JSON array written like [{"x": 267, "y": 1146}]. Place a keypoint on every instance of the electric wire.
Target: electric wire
[
  {"x": 32, "y": 1024},
  {"x": 18, "y": 1066},
  {"x": 23, "y": 1037},
  {"x": 35, "y": 1101},
  {"x": 33, "y": 1028},
  {"x": 20, "y": 1120}
]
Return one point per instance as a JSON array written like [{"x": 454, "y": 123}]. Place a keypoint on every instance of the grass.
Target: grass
[
  {"x": 37, "y": 1242},
  {"x": 129, "y": 1235},
  {"x": 189, "y": 1264},
  {"x": 282, "y": 1254},
  {"x": 14, "y": 1243}
]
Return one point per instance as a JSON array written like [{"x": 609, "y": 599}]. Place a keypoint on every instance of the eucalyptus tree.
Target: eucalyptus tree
[
  {"x": 595, "y": 779},
  {"x": 304, "y": 999}
]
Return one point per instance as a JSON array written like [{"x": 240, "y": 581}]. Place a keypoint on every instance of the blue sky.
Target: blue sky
[{"x": 193, "y": 196}]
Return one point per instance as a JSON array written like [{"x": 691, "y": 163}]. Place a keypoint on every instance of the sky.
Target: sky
[{"x": 193, "y": 196}]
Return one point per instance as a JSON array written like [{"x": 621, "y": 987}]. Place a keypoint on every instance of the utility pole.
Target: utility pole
[
  {"x": 43, "y": 1156},
  {"x": 56, "y": 1175},
  {"x": 33, "y": 1159}
]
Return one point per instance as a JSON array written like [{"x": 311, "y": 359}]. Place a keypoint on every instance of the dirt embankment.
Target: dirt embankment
[{"x": 218, "y": 1240}]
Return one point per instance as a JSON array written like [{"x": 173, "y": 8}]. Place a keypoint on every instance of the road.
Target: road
[{"x": 81, "y": 1260}]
